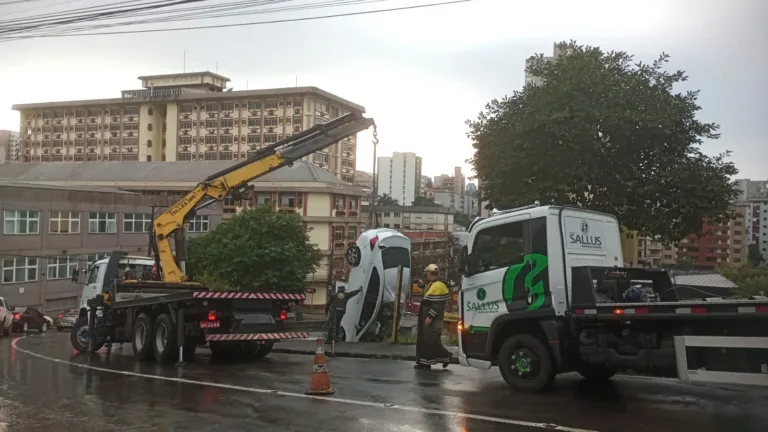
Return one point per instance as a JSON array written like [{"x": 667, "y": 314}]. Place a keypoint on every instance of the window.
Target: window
[
  {"x": 499, "y": 246},
  {"x": 270, "y": 121},
  {"x": 61, "y": 303},
  {"x": 93, "y": 112},
  {"x": 338, "y": 233},
  {"x": 320, "y": 158},
  {"x": 270, "y": 104},
  {"x": 96, "y": 257},
  {"x": 19, "y": 269},
  {"x": 61, "y": 267},
  {"x": 263, "y": 199},
  {"x": 133, "y": 127},
  {"x": 396, "y": 214},
  {"x": 198, "y": 224},
  {"x": 93, "y": 128},
  {"x": 136, "y": 222},
  {"x": 211, "y": 107},
  {"x": 210, "y": 139},
  {"x": 185, "y": 140},
  {"x": 102, "y": 223},
  {"x": 132, "y": 111},
  {"x": 290, "y": 200},
  {"x": 352, "y": 233},
  {"x": 254, "y": 139},
  {"x": 22, "y": 222},
  {"x": 254, "y": 105},
  {"x": 80, "y": 113},
  {"x": 58, "y": 129},
  {"x": 186, "y": 124},
  {"x": 130, "y": 142},
  {"x": 64, "y": 222},
  {"x": 227, "y": 123},
  {"x": 186, "y": 108},
  {"x": 254, "y": 122},
  {"x": 339, "y": 202},
  {"x": 270, "y": 138},
  {"x": 225, "y": 155},
  {"x": 211, "y": 155},
  {"x": 226, "y": 139},
  {"x": 115, "y": 112},
  {"x": 228, "y": 106},
  {"x": 185, "y": 156},
  {"x": 211, "y": 123},
  {"x": 321, "y": 106}
]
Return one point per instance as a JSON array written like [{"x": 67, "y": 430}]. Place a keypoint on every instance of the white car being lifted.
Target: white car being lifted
[{"x": 545, "y": 292}]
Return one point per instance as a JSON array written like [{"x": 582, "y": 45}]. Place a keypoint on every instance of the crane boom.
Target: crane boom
[{"x": 236, "y": 178}]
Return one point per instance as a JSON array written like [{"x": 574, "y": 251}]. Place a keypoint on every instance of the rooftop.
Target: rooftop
[
  {"x": 184, "y": 75},
  {"x": 151, "y": 172},
  {"x": 9, "y": 184}
]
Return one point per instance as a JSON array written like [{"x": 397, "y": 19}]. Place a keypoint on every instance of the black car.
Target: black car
[{"x": 28, "y": 318}]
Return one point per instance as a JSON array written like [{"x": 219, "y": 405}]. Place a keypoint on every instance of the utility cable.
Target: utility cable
[{"x": 287, "y": 20}]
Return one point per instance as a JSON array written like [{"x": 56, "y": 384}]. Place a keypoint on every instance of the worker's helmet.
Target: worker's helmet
[{"x": 432, "y": 268}]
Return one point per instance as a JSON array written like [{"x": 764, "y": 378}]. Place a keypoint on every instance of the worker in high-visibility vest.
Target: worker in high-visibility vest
[{"x": 429, "y": 347}]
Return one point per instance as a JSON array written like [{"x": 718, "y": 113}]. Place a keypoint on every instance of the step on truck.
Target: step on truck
[
  {"x": 151, "y": 302},
  {"x": 545, "y": 291}
]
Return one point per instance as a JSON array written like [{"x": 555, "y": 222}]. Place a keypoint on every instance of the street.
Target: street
[{"x": 45, "y": 386}]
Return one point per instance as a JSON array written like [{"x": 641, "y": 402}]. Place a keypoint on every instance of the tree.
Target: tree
[
  {"x": 753, "y": 254},
  {"x": 386, "y": 200},
  {"x": 444, "y": 254},
  {"x": 257, "y": 250},
  {"x": 424, "y": 201},
  {"x": 462, "y": 219},
  {"x": 605, "y": 134},
  {"x": 750, "y": 280}
]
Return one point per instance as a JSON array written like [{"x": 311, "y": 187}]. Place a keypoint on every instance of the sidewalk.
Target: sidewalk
[{"x": 355, "y": 350}]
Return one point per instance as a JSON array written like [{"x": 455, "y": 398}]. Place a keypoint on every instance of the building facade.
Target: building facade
[
  {"x": 455, "y": 183},
  {"x": 416, "y": 218},
  {"x": 183, "y": 117},
  {"x": 9, "y": 146},
  {"x": 557, "y": 50},
  {"x": 48, "y": 231},
  {"x": 330, "y": 207},
  {"x": 399, "y": 176}
]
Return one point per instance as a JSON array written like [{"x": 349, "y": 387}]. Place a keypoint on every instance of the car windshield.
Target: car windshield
[{"x": 20, "y": 309}]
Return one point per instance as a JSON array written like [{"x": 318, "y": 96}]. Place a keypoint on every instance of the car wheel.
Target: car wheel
[
  {"x": 354, "y": 256},
  {"x": 44, "y": 327}
]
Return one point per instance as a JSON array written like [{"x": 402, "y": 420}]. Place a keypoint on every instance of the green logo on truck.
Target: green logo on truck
[
  {"x": 533, "y": 268},
  {"x": 481, "y": 294}
]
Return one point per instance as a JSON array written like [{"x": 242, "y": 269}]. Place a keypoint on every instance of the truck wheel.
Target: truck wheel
[
  {"x": 596, "y": 372},
  {"x": 255, "y": 351},
  {"x": 525, "y": 363},
  {"x": 164, "y": 342},
  {"x": 79, "y": 335},
  {"x": 142, "y": 337}
]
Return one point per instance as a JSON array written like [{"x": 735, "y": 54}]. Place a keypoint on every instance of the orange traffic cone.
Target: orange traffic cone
[{"x": 320, "y": 384}]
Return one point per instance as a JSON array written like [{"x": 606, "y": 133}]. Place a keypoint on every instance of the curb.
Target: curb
[{"x": 396, "y": 357}]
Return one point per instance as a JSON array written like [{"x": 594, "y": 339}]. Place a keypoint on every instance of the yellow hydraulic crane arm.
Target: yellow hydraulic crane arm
[{"x": 236, "y": 178}]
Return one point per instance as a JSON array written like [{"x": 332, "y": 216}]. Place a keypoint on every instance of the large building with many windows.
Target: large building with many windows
[
  {"x": 330, "y": 208},
  {"x": 182, "y": 117}
]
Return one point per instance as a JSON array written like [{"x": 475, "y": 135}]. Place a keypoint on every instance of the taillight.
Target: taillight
[
  {"x": 283, "y": 315},
  {"x": 212, "y": 316},
  {"x": 373, "y": 242},
  {"x": 61, "y": 316},
  {"x": 16, "y": 316}
]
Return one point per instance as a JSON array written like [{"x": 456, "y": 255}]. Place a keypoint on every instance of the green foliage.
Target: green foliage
[
  {"x": 386, "y": 200},
  {"x": 256, "y": 250},
  {"x": 214, "y": 283},
  {"x": 424, "y": 201},
  {"x": 751, "y": 280},
  {"x": 753, "y": 254},
  {"x": 462, "y": 219},
  {"x": 444, "y": 254},
  {"x": 607, "y": 134}
]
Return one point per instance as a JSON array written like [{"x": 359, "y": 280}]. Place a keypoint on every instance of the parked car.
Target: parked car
[
  {"x": 6, "y": 317},
  {"x": 374, "y": 260},
  {"x": 28, "y": 318},
  {"x": 66, "y": 319}
]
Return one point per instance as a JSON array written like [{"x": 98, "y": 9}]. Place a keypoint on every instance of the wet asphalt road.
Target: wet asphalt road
[{"x": 40, "y": 394}]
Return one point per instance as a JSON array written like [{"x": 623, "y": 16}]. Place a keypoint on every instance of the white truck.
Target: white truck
[{"x": 544, "y": 292}]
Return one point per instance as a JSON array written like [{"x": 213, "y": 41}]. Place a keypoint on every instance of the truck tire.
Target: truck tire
[
  {"x": 164, "y": 340},
  {"x": 525, "y": 363},
  {"x": 79, "y": 335},
  {"x": 596, "y": 372},
  {"x": 254, "y": 351},
  {"x": 141, "y": 338}
]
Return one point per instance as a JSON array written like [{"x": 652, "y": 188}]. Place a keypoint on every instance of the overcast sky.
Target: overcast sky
[{"x": 421, "y": 73}]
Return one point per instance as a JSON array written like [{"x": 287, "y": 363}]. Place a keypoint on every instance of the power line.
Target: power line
[{"x": 287, "y": 20}]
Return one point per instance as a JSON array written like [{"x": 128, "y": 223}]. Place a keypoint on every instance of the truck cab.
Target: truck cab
[{"x": 93, "y": 277}]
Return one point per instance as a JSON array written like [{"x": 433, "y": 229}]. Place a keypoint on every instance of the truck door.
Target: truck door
[{"x": 497, "y": 251}]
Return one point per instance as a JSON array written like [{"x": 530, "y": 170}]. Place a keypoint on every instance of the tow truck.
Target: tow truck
[
  {"x": 545, "y": 291},
  {"x": 151, "y": 303}
]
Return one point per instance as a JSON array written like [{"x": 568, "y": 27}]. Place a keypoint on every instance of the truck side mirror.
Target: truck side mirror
[{"x": 464, "y": 267}]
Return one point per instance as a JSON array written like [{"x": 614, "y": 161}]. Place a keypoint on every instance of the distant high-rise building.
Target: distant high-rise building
[
  {"x": 399, "y": 176},
  {"x": 753, "y": 195},
  {"x": 556, "y": 51},
  {"x": 9, "y": 146},
  {"x": 447, "y": 183}
]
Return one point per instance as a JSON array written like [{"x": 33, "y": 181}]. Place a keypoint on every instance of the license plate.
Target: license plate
[{"x": 210, "y": 324}]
